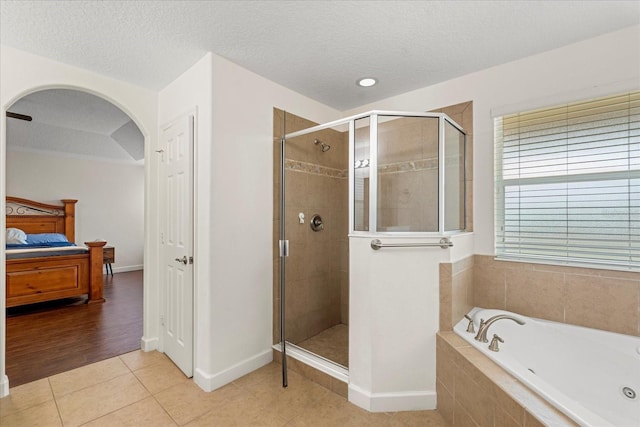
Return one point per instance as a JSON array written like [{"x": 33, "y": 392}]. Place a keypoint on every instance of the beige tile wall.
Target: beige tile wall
[
  {"x": 474, "y": 391},
  {"x": 317, "y": 269},
  {"x": 456, "y": 291},
  {"x": 595, "y": 298}
]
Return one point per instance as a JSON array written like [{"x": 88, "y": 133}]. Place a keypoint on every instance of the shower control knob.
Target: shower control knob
[{"x": 316, "y": 223}]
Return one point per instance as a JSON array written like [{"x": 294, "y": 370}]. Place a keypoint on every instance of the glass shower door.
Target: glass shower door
[{"x": 316, "y": 222}]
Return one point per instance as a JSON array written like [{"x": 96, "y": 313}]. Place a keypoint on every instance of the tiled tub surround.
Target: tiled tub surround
[
  {"x": 474, "y": 391},
  {"x": 581, "y": 371},
  {"x": 595, "y": 298},
  {"x": 456, "y": 291},
  {"x": 602, "y": 299}
]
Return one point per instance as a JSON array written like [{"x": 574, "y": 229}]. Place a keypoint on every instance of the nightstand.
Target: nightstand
[{"x": 108, "y": 257}]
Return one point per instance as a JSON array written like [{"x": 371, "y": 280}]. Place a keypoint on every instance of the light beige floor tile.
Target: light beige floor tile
[
  {"x": 241, "y": 410},
  {"x": 273, "y": 382},
  {"x": 270, "y": 371},
  {"x": 160, "y": 376},
  {"x": 141, "y": 359},
  {"x": 186, "y": 401},
  {"x": 257, "y": 399},
  {"x": 332, "y": 411},
  {"x": 93, "y": 402},
  {"x": 419, "y": 418},
  {"x": 86, "y": 376},
  {"x": 299, "y": 397},
  {"x": 147, "y": 412},
  {"x": 25, "y": 396},
  {"x": 42, "y": 415}
]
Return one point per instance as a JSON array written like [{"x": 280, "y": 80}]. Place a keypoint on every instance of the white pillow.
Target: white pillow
[{"x": 16, "y": 236}]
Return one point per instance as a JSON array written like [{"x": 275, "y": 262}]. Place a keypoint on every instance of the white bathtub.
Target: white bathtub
[{"x": 585, "y": 373}]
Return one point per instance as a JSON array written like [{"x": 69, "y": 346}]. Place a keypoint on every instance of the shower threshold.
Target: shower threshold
[{"x": 326, "y": 366}]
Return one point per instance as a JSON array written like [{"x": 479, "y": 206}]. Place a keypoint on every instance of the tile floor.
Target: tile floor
[{"x": 146, "y": 389}]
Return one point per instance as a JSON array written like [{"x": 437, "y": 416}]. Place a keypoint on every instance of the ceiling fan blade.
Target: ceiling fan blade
[{"x": 19, "y": 116}]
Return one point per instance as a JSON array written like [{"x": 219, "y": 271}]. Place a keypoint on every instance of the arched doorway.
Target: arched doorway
[
  {"x": 85, "y": 148},
  {"x": 137, "y": 103}
]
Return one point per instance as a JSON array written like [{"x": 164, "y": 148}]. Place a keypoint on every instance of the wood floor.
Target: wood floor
[{"x": 48, "y": 338}]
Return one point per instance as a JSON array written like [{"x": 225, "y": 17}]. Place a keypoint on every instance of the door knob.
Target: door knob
[{"x": 182, "y": 260}]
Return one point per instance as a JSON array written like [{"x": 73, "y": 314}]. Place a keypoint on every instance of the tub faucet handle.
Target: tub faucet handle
[
  {"x": 494, "y": 343},
  {"x": 470, "y": 327}
]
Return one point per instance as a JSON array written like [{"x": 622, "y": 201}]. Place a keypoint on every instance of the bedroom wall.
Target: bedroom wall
[{"x": 110, "y": 198}]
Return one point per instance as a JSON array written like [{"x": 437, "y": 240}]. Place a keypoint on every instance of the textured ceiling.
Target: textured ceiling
[
  {"x": 74, "y": 123},
  {"x": 317, "y": 48}
]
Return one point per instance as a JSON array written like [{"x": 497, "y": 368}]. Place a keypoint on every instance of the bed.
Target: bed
[{"x": 38, "y": 274}]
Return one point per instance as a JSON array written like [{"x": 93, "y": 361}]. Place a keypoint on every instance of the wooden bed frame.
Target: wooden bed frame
[{"x": 39, "y": 279}]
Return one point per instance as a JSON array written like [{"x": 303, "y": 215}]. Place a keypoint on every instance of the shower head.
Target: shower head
[{"x": 324, "y": 147}]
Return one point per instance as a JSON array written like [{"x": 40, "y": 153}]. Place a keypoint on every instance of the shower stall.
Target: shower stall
[{"x": 378, "y": 175}]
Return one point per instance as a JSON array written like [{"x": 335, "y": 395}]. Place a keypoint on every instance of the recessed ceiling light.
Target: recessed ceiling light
[{"x": 367, "y": 82}]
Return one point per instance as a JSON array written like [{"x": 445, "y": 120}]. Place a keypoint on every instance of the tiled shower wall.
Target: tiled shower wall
[
  {"x": 595, "y": 298},
  {"x": 317, "y": 272}
]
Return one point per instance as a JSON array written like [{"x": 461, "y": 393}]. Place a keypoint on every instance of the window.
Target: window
[{"x": 567, "y": 183}]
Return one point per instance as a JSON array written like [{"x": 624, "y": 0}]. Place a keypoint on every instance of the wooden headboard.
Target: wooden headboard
[{"x": 35, "y": 217}]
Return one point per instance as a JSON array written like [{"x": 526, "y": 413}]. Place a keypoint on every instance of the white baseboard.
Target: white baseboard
[
  {"x": 148, "y": 344},
  {"x": 4, "y": 386},
  {"x": 392, "y": 402},
  {"x": 126, "y": 268},
  {"x": 210, "y": 382}
]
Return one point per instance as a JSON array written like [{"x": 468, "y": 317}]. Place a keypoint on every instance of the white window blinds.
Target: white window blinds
[{"x": 567, "y": 182}]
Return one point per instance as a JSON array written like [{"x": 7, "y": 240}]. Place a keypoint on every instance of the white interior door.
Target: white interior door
[{"x": 177, "y": 242}]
